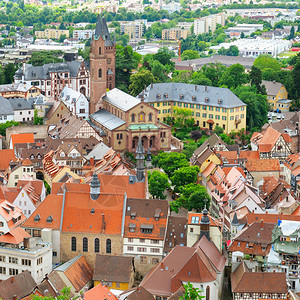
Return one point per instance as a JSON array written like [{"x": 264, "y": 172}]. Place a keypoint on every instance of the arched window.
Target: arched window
[
  {"x": 207, "y": 292},
  {"x": 73, "y": 243},
  {"x": 132, "y": 118},
  {"x": 100, "y": 73},
  {"x": 108, "y": 246},
  {"x": 97, "y": 245},
  {"x": 150, "y": 117},
  {"x": 85, "y": 245},
  {"x": 99, "y": 50}
]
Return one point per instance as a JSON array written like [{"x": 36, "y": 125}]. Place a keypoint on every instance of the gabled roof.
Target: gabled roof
[
  {"x": 243, "y": 281},
  {"x": 100, "y": 292},
  {"x": 262, "y": 165},
  {"x": 14, "y": 236},
  {"x": 268, "y": 140},
  {"x": 183, "y": 264},
  {"x": 21, "y": 138},
  {"x": 113, "y": 268},
  {"x": 78, "y": 271},
  {"x": 137, "y": 293},
  {"x": 272, "y": 87},
  {"x": 20, "y": 286},
  {"x": 6, "y": 156},
  {"x": 11, "y": 213}
]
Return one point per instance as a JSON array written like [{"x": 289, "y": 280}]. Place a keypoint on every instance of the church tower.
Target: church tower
[
  {"x": 102, "y": 64},
  {"x": 204, "y": 224}
]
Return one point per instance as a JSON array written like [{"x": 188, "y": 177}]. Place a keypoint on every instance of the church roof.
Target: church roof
[
  {"x": 102, "y": 30},
  {"x": 107, "y": 119}
]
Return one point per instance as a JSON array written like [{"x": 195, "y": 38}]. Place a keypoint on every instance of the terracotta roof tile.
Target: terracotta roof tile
[
  {"x": 100, "y": 292},
  {"x": 249, "y": 155},
  {"x": 14, "y": 236},
  {"x": 262, "y": 165},
  {"x": 243, "y": 281},
  {"x": 22, "y": 138},
  {"x": 269, "y": 218},
  {"x": 6, "y": 156},
  {"x": 229, "y": 156},
  {"x": 268, "y": 140},
  {"x": 27, "y": 162}
]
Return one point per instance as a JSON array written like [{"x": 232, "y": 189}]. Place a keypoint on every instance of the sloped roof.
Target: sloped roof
[
  {"x": 268, "y": 140},
  {"x": 20, "y": 286},
  {"x": 249, "y": 155},
  {"x": 100, "y": 292},
  {"x": 5, "y": 107},
  {"x": 14, "y": 236},
  {"x": 262, "y": 165},
  {"x": 137, "y": 294},
  {"x": 112, "y": 268},
  {"x": 272, "y": 87},
  {"x": 78, "y": 271},
  {"x": 6, "y": 156},
  {"x": 107, "y": 119},
  {"x": 22, "y": 138},
  {"x": 243, "y": 281}
]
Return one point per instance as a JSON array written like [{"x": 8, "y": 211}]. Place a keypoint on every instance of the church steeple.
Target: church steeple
[
  {"x": 140, "y": 157},
  {"x": 204, "y": 224},
  {"x": 102, "y": 64}
]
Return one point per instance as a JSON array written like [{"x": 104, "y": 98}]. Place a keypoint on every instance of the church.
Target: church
[{"x": 119, "y": 117}]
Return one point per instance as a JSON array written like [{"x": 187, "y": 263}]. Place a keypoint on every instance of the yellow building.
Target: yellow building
[
  {"x": 210, "y": 106},
  {"x": 276, "y": 92},
  {"x": 132, "y": 29},
  {"x": 175, "y": 34},
  {"x": 115, "y": 271},
  {"x": 51, "y": 33}
]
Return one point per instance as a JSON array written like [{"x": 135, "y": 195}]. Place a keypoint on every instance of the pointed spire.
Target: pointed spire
[
  {"x": 235, "y": 221},
  {"x": 98, "y": 30},
  {"x": 204, "y": 224}
]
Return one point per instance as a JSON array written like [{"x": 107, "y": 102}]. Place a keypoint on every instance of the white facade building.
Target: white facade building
[
  {"x": 31, "y": 255},
  {"x": 83, "y": 34},
  {"x": 209, "y": 23},
  {"x": 76, "y": 102}
]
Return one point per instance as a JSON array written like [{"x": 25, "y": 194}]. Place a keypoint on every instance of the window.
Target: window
[
  {"x": 154, "y": 250},
  {"x": 2, "y": 270},
  {"x": 26, "y": 262},
  {"x": 108, "y": 246},
  {"x": 129, "y": 248},
  {"x": 36, "y": 233},
  {"x": 54, "y": 254},
  {"x": 100, "y": 73},
  {"x": 13, "y": 272},
  {"x": 132, "y": 118},
  {"x": 82, "y": 111},
  {"x": 85, "y": 244},
  {"x": 97, "y": 245},
  {"x": 195, "y": 220},
  {"x": 191, "y": 230},
  {"x": 150, "y": 117},
  {"x": 142, "y": 240},
  {"x": 155, "y": 261},
  {"x": 99, "y": 50},
  {"x": 39, "y": 261},
  {"x": 73, "y": 243},
  {"x": 154, "y": 241},
  {"x": 119, "y": 136},
  {"x": 207, "y": 293},
  {"x": 143, "y": 259},
  {"x": 204, "y": 115},
  {"x": 2, "y": 258},
  {"x": 130, "y": 240},
  {"x": 13, "y": 260},
  {"x": 141, "y": 249}
]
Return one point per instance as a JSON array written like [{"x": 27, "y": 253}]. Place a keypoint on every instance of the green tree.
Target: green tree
[
  {"x": 65, "y": 294},
  {"x": 40, "y": 58},
  {"x": 182, "y": 117},
  {"x": 196, "y": 135},
  {"x": 234, "y": 76},
  {"x": 266, "y": 61},
  {"x": 62, "y": 38},
  {"x": 233, "y": 51},
  {"x": 5, "y": 125},
  {"x": 170, "y": 162},
  {"x": 214, "y": 72},
  {"x": 139, "y": 80},
  {"x": 193, "y": 197},
  {"x": 202, "y": 45},
  {"x": 191, "y": 293},
  {"x": 189, "y": 54},
  {"x": 158, "y": 183},
  {"x": 218, "y": 130},
  {"x": 256, "y": 78},
  {"x": 296, "y": 75},
  {"x": 269, "y": 74},
  {"x": 184, "y": 176},
  {"x": 37, "y": 120},
  {"x": 9, "y": 72}
]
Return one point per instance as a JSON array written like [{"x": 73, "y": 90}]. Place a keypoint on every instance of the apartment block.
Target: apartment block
[
  {"x": 209, "y": 23},
  {"x": 175, "y": 34},
  {"x": 51, "y": 33},
  {"x": 133, "y": 29},
  {"x": 83, "y": 34}
]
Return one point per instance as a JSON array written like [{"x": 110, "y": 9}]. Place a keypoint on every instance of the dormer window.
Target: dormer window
[
  {"x": 166, "y": 95},
  {"x": 158, "y": 96},
  {"x": 133, "y": 215},
  {"x": 194, "y": 98},
  {"x": 146, "y": 228},
  {"x": 181, "y": 96},
  {"x": 37, "y": 218},
  {"x": 132, "y": 227},
  {"x": 31, "y": 156},
  {"x": 49, "y": 219},
  {"x": 62, "y": 154},
  {"x": 206, "y": 99},
  {"x": 219, "y": 101}
]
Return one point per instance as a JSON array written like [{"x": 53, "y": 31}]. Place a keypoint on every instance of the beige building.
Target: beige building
[
  {"x": 208, "y": 23},
  {"x": 175, "y": 34},
  {"x": 51, "y": 33},
  {"x": 133, "y": 29}
]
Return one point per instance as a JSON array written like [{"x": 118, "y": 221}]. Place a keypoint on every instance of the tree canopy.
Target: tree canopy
[{"x": 158, "y": 183}]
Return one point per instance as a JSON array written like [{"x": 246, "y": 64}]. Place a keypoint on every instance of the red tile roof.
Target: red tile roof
[
  {"x": 6, "y": 156},
  {"x": 249, "y": 155},
  {"x": 99, "y": 292},
  {"x": 22, "y": 138},
  {"x": 14, "y": 236},
  {"x": 243, "y": 281},
  {"x": 27, "y": 162},
  {"x": 262, "y": 165},
  {"x": 213, "y": 221},
  {"x": 269, "y": 218}
]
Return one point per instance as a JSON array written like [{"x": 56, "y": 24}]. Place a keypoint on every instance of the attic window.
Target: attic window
[
  {"x": 49, "y": 219},
  {"x": 166, "y": 95},
  {"x": 158, "y": 96},
  {"x": 195, "y": 220},
  {"x": 219, "y": 101},
  {"x": 92, "y": 211},
  {"x": 194, "y": 98},
  {"x": 181, "y": 96},
  {"x": 146, "y": 228},
  {"x": 157, "y": 214},
  {"x": 132, "y": 227},
  {"x": 206, "y": 99},
  {"x": 37, "y": 218},
  {"x": 133, "y": 215}
]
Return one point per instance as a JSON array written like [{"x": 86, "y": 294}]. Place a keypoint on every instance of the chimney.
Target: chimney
[
  {"x": 262, "y": 224},
  {"x": 15, "y": 297},
  {"x": 151, "y": 85},
  {"x": 13, "y": 279},
  {"x": 195, "y": 87},
  {"x": 161, "y": 266},
  {"x": 205, "y": 89},
  {"x": 92, "y": 161}
]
